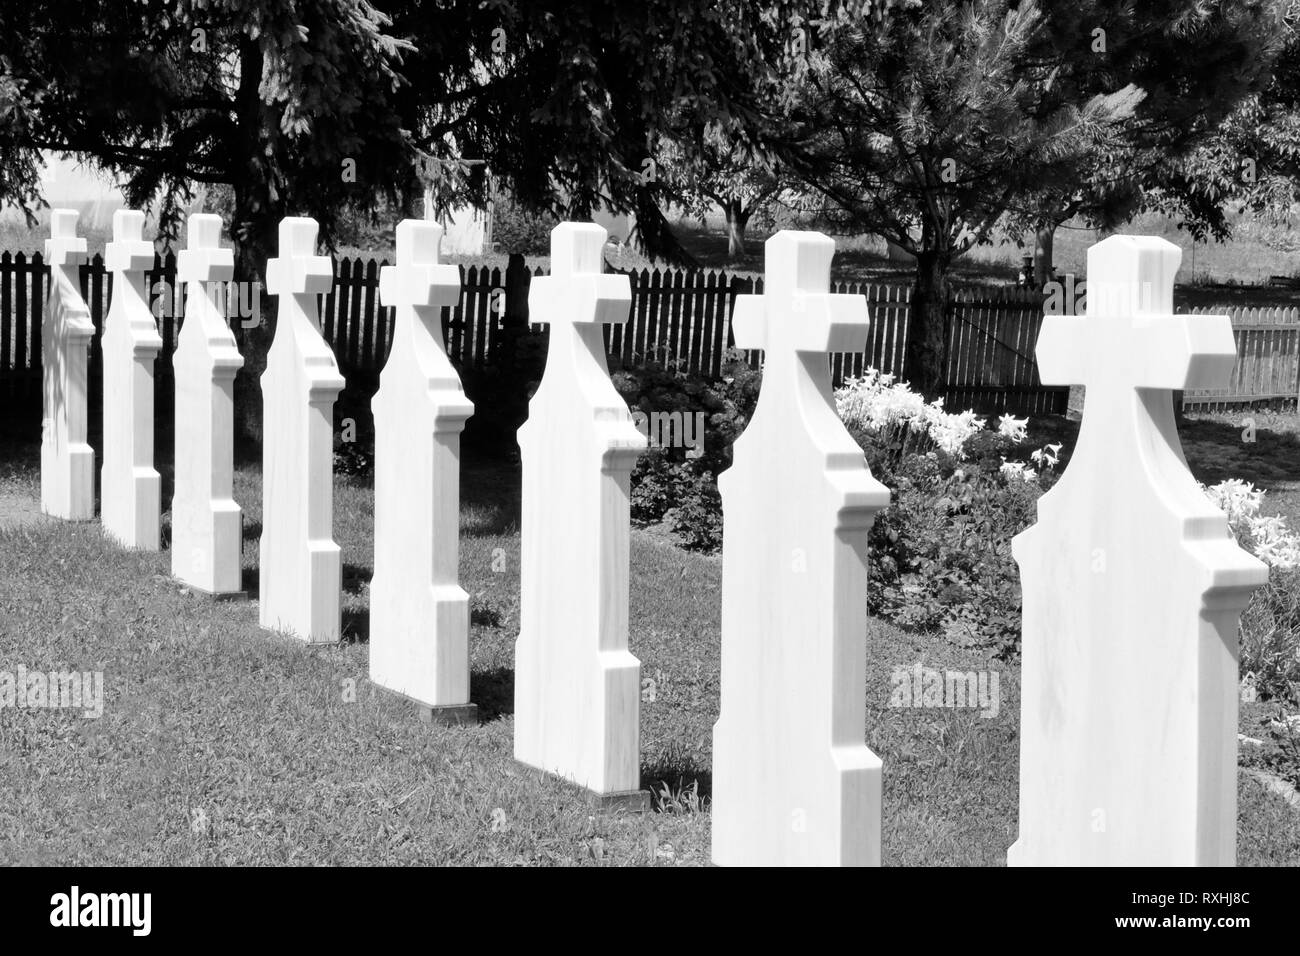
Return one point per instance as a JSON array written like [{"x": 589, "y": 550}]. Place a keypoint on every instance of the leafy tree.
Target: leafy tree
[
  {"x": 708, "y": 168},
  {"x": 575, "y": 101},
  {"x": 933, "y": 126},
  {"x": 290, "y": 103},
  {"x": 563, "y": 102},
  {"x": 1251, "y": 162},
  {"x": 1193, "y": 62},
  {"x": 312, "y": 106}
]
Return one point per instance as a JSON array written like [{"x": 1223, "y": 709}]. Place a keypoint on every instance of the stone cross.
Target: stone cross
[
  {"x": 207, "y": 532},
  {"x": 1132, "y": 586},
  {"x": 67, "y": 461},
  {"x": 419, "y": 614},
  {"x": 577, "y": 687},
  {"x": 793, "y": 781},
  {"x": 301, "y": 573},
  {"x": 130, "y": 488}
]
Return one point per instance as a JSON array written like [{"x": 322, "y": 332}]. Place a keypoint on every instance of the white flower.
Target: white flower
[
  {"x": 1047, "y": 456},
  {"x": 1013, "y": 428},
  {"x": 1017, "y": 469},
  {"x": 1268, "y": 537},
  {"x": 950, "y": 432},
  {"x": 1236, "y": 498},
  {"x": 878, "y": 403}
]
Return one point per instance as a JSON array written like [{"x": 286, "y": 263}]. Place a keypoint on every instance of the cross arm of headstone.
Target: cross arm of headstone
[
  {"x": 577, "y": 291},
  {"x": 129, "y": 251},
  {"x": 64, "y": 247},
  {"x": 298, "y": 270},
  {"x": 203, "y": 260},
  {"x": 419, "y": 279},
  {"x": 797, "y": 311},
  {"x": 1129, "y": 336}
]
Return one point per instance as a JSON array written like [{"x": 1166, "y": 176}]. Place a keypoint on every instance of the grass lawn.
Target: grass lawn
[
  {"x": 222, "y": 743},
  {"x": 1217, "y": 448}
]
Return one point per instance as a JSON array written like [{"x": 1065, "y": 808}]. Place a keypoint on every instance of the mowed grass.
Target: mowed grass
[{"x": 222, "y": 743}]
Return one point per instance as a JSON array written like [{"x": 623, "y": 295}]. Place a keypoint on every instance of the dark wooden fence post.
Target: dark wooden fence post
[{"x": 514, "y": 319}]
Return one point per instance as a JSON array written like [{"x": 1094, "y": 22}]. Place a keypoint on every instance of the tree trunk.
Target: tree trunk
[
  {"x": 737, "y": 220},
  {"x": 257, "y": 214},
  {"x": 1043, "y": 241},
  {"x": 927, "y": 332}
]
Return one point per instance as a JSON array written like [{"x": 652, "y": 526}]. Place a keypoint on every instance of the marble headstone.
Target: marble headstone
[
  {"x": 67, "y": 460},
  {"x": 577, "y": 687},
  {"x": 794, "y": 783},
  {"x": 419, "y": 614},
  {"x": 301, "y": 570},
  {"x": 130, "y": 492},
  {"x": 206, "y": 521},
  {"x": 1132, "y": 589}
]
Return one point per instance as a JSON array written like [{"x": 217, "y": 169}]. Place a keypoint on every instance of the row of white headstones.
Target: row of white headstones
[{"x": 1132, "y": 583}]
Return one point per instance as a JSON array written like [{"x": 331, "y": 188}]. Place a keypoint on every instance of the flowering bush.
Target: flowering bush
[
  {"x": 960, "y": 491},
  {"x": 1265, "y": 536},
  {"x": 901, "y": 418},
  {"x": 941, "y": 552},
  {"x": 1013, "y": 470},
  {"x": 1270, "y": 625}
]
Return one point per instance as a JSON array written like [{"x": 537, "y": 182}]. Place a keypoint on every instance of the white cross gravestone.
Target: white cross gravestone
[
  {"x": 1132, "y": 587},
  {"x": 793, "y": 780},
  {"x": 577, "y": 687},
  {"x": 206, "y": 522},
  {"x": 419, "y": 614},
  {"x": 130, "y": 489},
  {"x": 301, "y": 569},
  {"x": 67, "y": 461}
]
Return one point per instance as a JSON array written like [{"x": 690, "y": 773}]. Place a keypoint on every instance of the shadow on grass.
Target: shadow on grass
[
  {"x": 355, "y": 578},
  {"x": 489, "y": 497},
  {"x": 494, "y": 692},
  {"x": 1241, "y": 445},
  {"x": 676, "y": 788},
  {"x": 356, "y": 626}
]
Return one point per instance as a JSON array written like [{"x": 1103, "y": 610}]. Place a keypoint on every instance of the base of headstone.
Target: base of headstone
[
  {"x": 219, "y": 597},
  {"x": 447, "y": 715},
  {"x": 631, "y": 801},
  {"x": 451, "y": 715}
]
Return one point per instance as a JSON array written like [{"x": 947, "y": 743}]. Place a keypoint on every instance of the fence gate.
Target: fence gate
[{"x": 990, "y": 363}]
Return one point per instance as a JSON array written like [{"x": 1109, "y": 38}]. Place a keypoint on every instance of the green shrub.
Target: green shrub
[
  {"x": 355, "y": 458},
  {"x": 940, "y": 554},
  {"x": 668, "y": 487},
  {"x": 675, "y": 494}
]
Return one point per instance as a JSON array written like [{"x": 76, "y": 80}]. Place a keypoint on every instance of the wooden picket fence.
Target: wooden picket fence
[
  {"x": 1268, "y": 361},
  {"x": 681, "y": 319}
]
